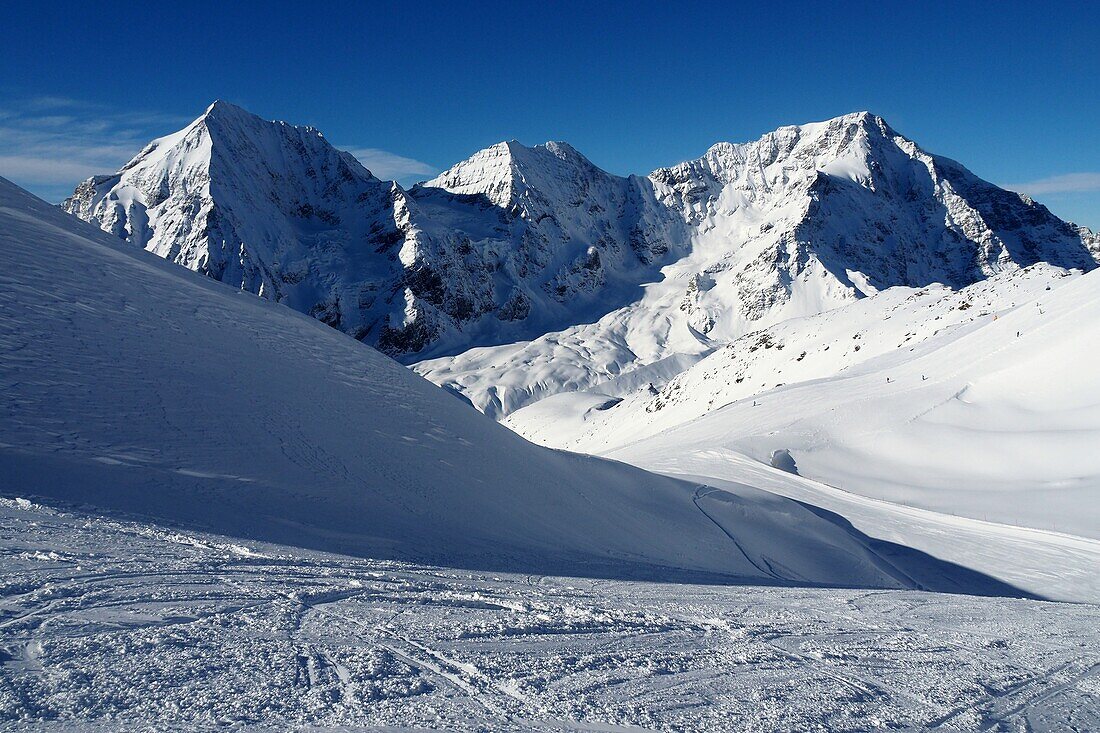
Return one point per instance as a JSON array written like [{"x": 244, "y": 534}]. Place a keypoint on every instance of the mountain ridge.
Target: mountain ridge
[{"x": 517, "y": 242}]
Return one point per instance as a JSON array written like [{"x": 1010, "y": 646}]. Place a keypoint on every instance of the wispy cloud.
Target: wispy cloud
[
  {"x": 1067, "y": 183},
  {"x": 49, "y": 144},
  {"x": 391, "y": 166}
]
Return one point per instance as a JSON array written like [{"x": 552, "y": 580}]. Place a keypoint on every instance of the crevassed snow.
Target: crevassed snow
[{"x": 134, "y": 386}]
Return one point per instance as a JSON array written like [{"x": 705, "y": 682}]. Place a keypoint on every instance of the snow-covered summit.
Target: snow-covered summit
[
  {"x": 854, "y": 195},
  {"x": 561, "y": 240},
  {"x": 510, "y": 173},
  {"x": 801, "y": 221},
  {"x": 517, "y": 242},
  {"x": 243, "y": 200}
]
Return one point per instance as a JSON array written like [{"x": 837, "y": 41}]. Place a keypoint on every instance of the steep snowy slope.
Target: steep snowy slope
[
  {"x": 803, "y": 220},
  {"x": 133, "y": 385},
  {"x": 995, "y": 419}
]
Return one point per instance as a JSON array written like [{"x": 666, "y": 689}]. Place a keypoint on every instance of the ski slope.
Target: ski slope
[
  {"x": 115, "y": 625},
  {"x": 654, "y": 399},
  {"x": 133, "y": 385}
]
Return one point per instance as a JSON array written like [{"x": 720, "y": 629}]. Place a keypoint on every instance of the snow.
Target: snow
[
  {"x": 132, "y": 626},
  {"x": 802, "y": 221},
  {"x": 518, "y": 242},
  {"x": 995, "y": 420},
  {"x": 135, "y": 386},
  {"x": 794, "y": 351},
  {"x": 962, "y": 426}
]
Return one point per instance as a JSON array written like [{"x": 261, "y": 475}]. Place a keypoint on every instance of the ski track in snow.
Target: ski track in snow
[{"x": 108, "y": 624}]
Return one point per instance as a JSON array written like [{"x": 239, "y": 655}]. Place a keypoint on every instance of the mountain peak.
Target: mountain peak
[
  {"x": 220, "y": 105},
  {"x": 860, "y": 117},
  {"x": 222, "y": 108},
  {"x": 226, "y": 114},
  {"x": 504, "y": 171}
]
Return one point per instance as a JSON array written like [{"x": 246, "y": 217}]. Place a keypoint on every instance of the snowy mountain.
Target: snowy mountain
[
  {"x": 804, "y": 220},
  {"x": 562, "y": 241},
  {"x": 518, "y": 242},
  {"x": 798, "y": 350},
  {"x": 135, "y": 386},
  {"x": 523, "y": 238},
  {"x": 266, "y": 207}
]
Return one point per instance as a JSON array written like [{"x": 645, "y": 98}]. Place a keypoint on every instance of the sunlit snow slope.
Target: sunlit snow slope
[
  {"x": 638, "y": 406},
  {"x": 962, "y": 423},
  {"x": 997, "y": 420},
  {"x": 133, "y": 385}
]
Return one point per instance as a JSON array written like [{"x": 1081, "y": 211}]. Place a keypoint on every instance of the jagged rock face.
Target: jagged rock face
[{"x": 517, "y": 242}]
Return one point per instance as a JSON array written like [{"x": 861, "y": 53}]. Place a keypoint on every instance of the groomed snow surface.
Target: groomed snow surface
[{"x": 114, "y": 625}]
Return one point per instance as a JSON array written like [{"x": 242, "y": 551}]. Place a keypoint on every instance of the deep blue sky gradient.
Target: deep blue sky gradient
[{"x": 1011, "y": 89}]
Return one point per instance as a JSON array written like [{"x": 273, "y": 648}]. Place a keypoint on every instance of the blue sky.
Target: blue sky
[{"x": 1010, "y": 89}]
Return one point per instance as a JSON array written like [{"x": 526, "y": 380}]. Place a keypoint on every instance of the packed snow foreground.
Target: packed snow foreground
[
  {"x": 118, "y": 625},
  {"x": 850, "y": 380}
]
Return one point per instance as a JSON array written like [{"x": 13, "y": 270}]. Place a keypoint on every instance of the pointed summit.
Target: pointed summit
[
  {"x": 240, "y": 199},
  {"x": 222, "y": 106},
  {"x": 224, "y": 112},
  {"x": 510, "y": 171},
  {"x": 492, "y": 172}
]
